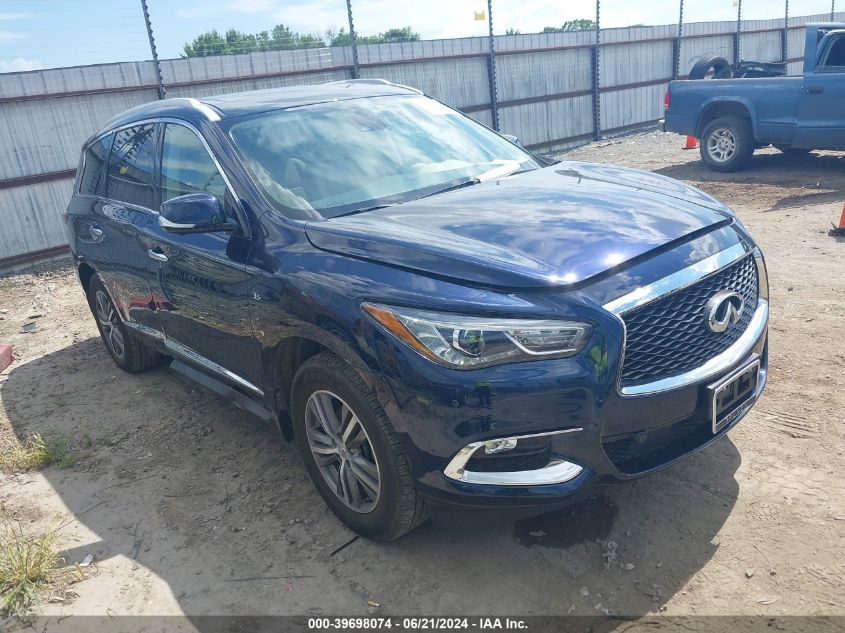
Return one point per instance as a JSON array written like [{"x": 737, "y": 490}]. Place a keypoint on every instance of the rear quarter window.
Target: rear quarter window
[{"x": 93, "y": 163}]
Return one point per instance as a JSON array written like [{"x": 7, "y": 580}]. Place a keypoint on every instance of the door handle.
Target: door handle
[
  {"x": 814, "y": 90},
  {"x": 156, "y": 254},
  {"x": 95, "y": 231}
]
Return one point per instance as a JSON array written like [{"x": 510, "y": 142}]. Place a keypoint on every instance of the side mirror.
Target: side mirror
[
  {"x": 513, "y": 139},
  {"x": 194, "y": 213}
]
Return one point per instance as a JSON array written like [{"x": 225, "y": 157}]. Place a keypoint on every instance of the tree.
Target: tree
[
  {"x": 342, "y": 38},
  {"x": 572, "y": 25},
  {"x": 513, "y": 32},
  {"x": 234, "y": 42}
]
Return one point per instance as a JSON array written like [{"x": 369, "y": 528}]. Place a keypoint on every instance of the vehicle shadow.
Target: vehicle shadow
[
  {"x": 180, "y": 487},
  {"x": 818, "y": 177}
]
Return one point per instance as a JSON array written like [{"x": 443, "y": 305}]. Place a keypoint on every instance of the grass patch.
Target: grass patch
[
  {"x": 25, "y": 564},
  {"x": 34, "y": 452}
]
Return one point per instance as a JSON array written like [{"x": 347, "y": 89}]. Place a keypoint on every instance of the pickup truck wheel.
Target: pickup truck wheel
[
  {"x": 352, "y": 452},
  {"x": 128, "y": 353},
  {"x": 727, "y": 144}
]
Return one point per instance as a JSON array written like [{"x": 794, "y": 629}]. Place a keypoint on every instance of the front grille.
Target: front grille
[{"x": 668, "y": 336}]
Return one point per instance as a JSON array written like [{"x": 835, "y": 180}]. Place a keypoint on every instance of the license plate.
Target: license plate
[{"x": 733, "y": 395}]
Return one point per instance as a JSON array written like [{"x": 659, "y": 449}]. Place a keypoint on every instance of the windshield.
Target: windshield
[{"x": 346, "y": 156}]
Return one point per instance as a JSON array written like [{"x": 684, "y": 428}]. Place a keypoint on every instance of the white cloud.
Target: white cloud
[
  {"x": 252, "y": 6},
  {"x": 18, "y": 64},
  {"x": 11, "y": 35}
]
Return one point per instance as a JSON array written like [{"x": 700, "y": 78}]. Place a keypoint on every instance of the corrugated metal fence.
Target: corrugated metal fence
[{"x": 546, "y": 91}]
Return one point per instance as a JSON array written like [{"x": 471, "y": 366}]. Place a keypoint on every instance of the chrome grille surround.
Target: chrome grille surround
[{"x": 739, "y": 346}]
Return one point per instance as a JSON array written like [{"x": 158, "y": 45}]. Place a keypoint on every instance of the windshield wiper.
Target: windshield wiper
[
  {"x": 364, "y": 210},
  {"x": 456, "y": 185}
]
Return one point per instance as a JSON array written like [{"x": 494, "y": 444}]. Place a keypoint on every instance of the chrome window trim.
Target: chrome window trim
[
  {"x": 172, "y": 120},
  {"x": 683, "y": 278},
  {"x": 193, "y": 356},
  {"x": 556, "y": 472}
]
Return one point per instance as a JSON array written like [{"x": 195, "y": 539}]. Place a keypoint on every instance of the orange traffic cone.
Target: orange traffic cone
[
  {"x": 691, "y": 143},
  {"x": 839, "y": 230}
]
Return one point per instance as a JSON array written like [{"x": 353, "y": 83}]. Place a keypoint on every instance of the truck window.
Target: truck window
[{"x": 835, "y": 60}]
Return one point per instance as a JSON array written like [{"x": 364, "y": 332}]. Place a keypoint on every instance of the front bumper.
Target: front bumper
[{"x": 592, "y": 430}]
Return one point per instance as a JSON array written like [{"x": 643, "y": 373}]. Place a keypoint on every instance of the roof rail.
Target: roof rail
[
  {"x": 376, "y": 80},
  {"x": 206, "y": 109}
]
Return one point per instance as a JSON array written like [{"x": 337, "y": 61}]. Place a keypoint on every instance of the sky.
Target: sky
[{"x": 38, "y": 34}]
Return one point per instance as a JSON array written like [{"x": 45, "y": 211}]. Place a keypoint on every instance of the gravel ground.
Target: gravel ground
[{"x": 191, "y": 506}]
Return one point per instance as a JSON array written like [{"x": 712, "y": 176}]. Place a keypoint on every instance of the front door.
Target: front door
[
  {"x": 821, "y": 112},
  {"x": 202, "y": 288}
]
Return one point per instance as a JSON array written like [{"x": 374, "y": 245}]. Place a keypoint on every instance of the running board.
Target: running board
[{"x": 222, "y": 389}]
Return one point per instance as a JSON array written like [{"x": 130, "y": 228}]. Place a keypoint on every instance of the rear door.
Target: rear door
[
  {"x": 821, "y": 113},
  {"x": 119, "y": 172},
  {"x": 202, "y": 287}
]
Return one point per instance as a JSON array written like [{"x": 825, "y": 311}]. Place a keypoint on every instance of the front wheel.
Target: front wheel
[
  {"x": 352, "y": 452},
  {"x": 727, "y": 144}
]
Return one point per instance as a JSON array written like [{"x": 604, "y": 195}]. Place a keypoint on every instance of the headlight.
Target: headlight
[{"x": 466, "y": 342}]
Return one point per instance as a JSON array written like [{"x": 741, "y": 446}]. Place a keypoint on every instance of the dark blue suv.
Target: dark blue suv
[{"x": 432, "y": 313}]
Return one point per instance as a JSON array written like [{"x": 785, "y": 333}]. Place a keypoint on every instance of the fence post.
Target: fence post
[
  {"x": 676, "y": 53},
  {"x": 785, "y": 36},
  {"x": 594, "y": 62},
  {"x": 162, "y": 93},
  {"x": 356, "y": 73},
  {"x": 491, "y": 69},
  {"x": 832, "y": 10},
  {"x": 738, "y": 34}
]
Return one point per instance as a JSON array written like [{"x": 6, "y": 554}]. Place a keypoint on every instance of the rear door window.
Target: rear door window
[
  {"x": 130, "y": 174},
  {"x": 93, "y": 165}
]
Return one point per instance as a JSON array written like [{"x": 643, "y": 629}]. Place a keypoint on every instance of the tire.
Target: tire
[
  {"x": 727, "y": 144},
  {"x": 711, "y": 65},
  {"x": 387, "y": 505},
  {"x": 128, "y": 353}
]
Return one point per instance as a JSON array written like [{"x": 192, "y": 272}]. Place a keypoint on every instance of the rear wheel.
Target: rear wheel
[
  {"x": 126, "y": 350},
  {"x": 352, "y": 452},
  {"x": 727, "y": 144}
]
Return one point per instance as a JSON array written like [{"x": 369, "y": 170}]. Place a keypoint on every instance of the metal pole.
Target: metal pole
[
  {"x": 785, "y": 43},
  {"x": 677, "y": 60},
  {"x": 162, "y": 93},
  {"x": 355, "y": 69},
  {"x": 491, "y": 71},
  {"x": 832, "y": 10},
  {"x": 595, "y": 69},
  {"x": 738, "y": 34}
]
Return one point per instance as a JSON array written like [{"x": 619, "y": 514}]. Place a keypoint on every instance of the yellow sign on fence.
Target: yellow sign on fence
[{"x": 480, "y": 16}]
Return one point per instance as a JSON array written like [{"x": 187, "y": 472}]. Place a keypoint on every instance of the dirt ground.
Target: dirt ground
[{"x": 191, "y": 506}]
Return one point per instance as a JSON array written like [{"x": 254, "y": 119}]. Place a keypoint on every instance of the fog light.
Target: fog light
[{"x": 492, "y": 447}]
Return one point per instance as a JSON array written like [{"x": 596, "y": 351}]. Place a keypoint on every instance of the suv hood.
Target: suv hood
[{"x": 556, "y": 226}]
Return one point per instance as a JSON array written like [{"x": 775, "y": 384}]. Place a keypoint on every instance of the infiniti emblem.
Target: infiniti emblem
[{"x": 723, "y": 309}]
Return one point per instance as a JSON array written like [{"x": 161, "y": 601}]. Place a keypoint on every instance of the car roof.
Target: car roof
[{"x": 216, "y": 108}]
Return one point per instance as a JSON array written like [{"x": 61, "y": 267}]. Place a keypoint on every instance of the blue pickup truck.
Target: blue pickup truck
[{"x": 733, "y": 117}]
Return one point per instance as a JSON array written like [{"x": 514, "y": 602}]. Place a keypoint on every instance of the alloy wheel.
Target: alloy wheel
[
  {"x": 109, "y": 323},
  {"x": 721, "y": 145},
  {"x": 343, "y": 451}
]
